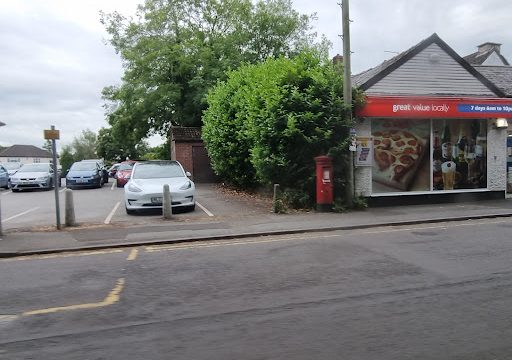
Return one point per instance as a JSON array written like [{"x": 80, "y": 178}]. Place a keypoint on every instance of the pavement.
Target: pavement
[{"x": 95, "y": 237}]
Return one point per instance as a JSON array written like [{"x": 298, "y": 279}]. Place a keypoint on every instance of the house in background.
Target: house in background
[
  {"x": 488, "y": 54},
  {"x": 25, "y": 154}
]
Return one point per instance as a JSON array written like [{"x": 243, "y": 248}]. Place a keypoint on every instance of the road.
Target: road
[{"x": 438, "y": 291}]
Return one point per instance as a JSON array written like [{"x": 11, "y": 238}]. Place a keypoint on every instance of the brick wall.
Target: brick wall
[{"x": 184, "y": 154}]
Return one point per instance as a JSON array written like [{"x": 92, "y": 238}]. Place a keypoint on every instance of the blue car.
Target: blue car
[
  {"x": 4, "y": 177},
  {"x": 84, "y": 174}
]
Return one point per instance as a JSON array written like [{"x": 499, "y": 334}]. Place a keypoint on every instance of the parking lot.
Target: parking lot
[{"x": 35, "y": 210}]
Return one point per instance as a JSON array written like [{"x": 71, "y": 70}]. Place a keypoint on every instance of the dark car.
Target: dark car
[
  {"x": 124, "y": 172},
  {"x": 85, "y": 174},
  {"x": 101, "y": 165}
]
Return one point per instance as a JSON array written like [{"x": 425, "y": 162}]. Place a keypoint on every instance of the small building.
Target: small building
[
  {"x": 25, "y": 154},
  {"x": 436, "y": 127},
  {"x": 188, "y": 148}
]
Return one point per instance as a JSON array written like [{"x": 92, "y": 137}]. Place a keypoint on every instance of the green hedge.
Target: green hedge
[{"x": 267, "y": 122}]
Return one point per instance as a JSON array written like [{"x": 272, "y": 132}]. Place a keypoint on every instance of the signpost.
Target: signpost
[{"x": 53, "y": 135}]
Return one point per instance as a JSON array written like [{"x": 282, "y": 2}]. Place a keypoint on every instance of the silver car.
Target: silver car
[
  {"x": 33, "y": 176},
  {"x": 144, "y": 190}
]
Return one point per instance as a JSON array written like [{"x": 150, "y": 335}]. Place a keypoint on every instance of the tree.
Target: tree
[
  {"x": 121, "y": 146},
  {"x": 84, "y": 146},
  {"x": 48, "y": 146},
  {"x": 178, "y": 49},
  {"x": 267, "y": 122},
  {"x": 66, "y": 158}
]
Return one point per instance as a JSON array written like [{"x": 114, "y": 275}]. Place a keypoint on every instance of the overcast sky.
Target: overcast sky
[{"x": 54, "y": 60}]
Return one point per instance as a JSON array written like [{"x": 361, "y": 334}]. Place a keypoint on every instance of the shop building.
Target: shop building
[{"x": 434, "y": 127}]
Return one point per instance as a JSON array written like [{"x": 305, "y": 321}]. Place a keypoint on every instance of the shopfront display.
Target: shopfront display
[
  {"x": 438, "y": 126},
  {"x": 429, "y": 155}
]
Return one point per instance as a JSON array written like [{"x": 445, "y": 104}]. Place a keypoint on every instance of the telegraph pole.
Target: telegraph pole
[{"x": 347, "y": 96}]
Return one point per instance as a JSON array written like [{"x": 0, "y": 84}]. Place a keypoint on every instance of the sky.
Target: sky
[{"x": 55, "y": 58}]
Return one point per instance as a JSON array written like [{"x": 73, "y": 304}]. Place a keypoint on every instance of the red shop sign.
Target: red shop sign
[{"x": 430, "y": 107}]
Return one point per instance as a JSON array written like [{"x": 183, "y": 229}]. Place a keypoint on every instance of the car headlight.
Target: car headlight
[
  {"x": 42, "y": 178},
  {"x": 186, "y": 186},
  {"x": 133, "y": 188}
]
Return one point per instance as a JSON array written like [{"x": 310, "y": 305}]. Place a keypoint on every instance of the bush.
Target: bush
[{"x": 267, "y": 122}]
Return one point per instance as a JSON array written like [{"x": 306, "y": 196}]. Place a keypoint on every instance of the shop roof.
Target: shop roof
[
  {"x": 501, "y": 76},
  {"x": 369, "y": 78}
]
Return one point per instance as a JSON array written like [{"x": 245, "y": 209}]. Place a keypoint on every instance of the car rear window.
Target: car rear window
[{"x": 126, "y": 166}]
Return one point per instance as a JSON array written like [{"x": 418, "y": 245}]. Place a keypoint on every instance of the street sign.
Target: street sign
[{"x": 51, "y": 134}]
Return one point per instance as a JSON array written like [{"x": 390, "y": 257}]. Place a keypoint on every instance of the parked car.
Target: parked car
[
  {"x": 101, "y": 164},
  {"x": 4, "y": 177},
  {"x": 33, "y": 176},
  {"x": 12, "y": 167},
  {"x": 144, "y": 190},
  {"x": 85, "y": 174},
  {"x": 113, "y": 170},
  {"x": 124, "y": 171}
]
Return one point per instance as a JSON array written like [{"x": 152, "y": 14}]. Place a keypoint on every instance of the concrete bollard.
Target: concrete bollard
[
  {"x": 275, "y": 205},
  {"x": 70, "y": 208},
  {"x": 167, "y": 203}
]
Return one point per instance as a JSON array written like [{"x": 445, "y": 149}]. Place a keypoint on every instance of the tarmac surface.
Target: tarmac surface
[{"x": 50, "y": 240}]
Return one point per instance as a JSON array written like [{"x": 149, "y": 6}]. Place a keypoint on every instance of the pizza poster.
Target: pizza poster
[
  {"x": 401, "y": 161},
  {"x": 364, "y": 151}
]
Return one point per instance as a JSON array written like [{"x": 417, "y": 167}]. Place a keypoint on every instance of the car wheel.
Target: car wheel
[
  {"x": 191, "y": 207},
  {"x": 15, "y": 190},
  {"x": 118, "y": 184},
  {"x": 130, "y": 212}
]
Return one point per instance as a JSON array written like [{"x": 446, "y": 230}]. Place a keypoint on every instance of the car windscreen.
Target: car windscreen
[
  {"x": 83, "y": 166},
  {"x": 157, "y": 171},
  {"x": 34, "y": 168},
  {"x": 11, "y": 165}
]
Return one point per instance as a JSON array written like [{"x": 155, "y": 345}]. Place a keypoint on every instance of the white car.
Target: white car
[
  {"x": 144, "y": 190},
  {"x": 33, "y": 176}
]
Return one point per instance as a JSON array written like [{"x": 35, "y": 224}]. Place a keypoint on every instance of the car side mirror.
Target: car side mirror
[{"x": 188, "y": 173}]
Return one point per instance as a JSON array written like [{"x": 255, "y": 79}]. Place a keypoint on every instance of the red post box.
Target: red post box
[{"x": 324, "y": 195}]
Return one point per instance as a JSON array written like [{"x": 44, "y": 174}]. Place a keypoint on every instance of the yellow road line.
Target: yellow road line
[
  {"x": 231, "y": 243},
  {"x": 111, "y": 299},
  {"x": 133, "y": 255},
  {"x": 63, "y": 255}
]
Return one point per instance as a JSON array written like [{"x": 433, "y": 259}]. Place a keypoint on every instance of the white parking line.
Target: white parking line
[
  {"x": 6, "y": 192},
  {"x": 109, "y": 217},
  {"x": 113, "y": 186},
  {"x": 20, "y": 214},
  {"x": 204, "y": 209}
]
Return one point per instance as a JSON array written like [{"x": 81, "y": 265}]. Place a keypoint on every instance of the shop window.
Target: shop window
[
  {"x": 401, "y": 155},
  {"x": 419, "y": 155},
  {"x": 459, "y": 154}
]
